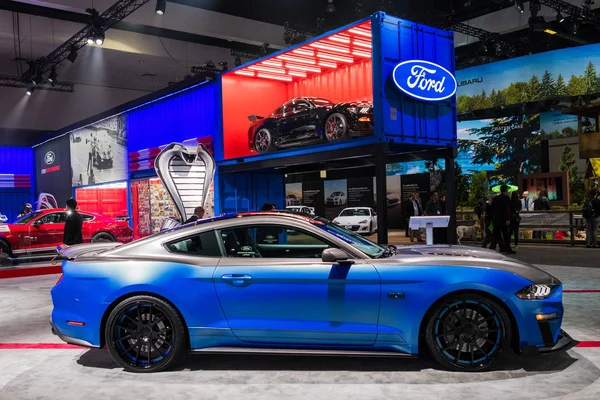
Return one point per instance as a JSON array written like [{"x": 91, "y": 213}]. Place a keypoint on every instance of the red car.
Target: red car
[{"x": 37, "y": 234}]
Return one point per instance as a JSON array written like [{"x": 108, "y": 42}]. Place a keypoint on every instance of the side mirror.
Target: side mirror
[{"x": 335, "y": 256}]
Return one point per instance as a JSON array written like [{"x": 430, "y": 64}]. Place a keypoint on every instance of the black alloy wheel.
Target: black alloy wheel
[
  {"x": 468, "y": 332},
  {"x": 103, "y": 237},
  {"x": 145, "y": 334},
  {"x": 336, "y": 127},
  {"x": 263, "y": 141}
]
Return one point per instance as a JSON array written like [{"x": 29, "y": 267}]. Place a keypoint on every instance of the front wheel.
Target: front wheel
[
  {"x": 103, "y": 237},
  {"x": 468, "y": 332},
  {"x": 336, "y": 127},
  {"x": 145, "y": 334}
]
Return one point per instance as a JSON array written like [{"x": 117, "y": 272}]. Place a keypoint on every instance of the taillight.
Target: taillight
[{"x": 59, "y": 279}]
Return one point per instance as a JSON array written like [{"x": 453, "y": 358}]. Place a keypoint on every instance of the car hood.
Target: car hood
[
  {"x": 351, "y": 220},
  {"x": 445, "y": 255}
]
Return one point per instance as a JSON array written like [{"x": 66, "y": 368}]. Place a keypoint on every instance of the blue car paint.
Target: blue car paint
[{"x": 306, "y": 306}]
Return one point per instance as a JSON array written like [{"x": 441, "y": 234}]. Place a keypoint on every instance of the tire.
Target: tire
[
  {"x": 370, "y": 228},
  {"x": 103, "y": 237},
  {"x": 335, "y": 128},
  {"x": 5, "y": 248},
  {"x": 263, "y": 141},
  {"x": 468, "y": 332},
  {"x": 161, "y": 336}
]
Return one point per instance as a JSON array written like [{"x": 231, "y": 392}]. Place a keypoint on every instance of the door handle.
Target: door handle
[{"x": 237, "y": 279}]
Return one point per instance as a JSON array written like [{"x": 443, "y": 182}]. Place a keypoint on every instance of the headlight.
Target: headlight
[
  {"x": 335, "y": 221},
  {"x": 353, "y": 109},
  {"x": 364, "y": 221},
  {"x": 535, "y": 292}
]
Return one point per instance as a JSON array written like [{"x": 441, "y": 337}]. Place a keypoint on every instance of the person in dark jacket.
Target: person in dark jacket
[
  {"x": 593, "y": 222},
  {"x": 541, "y": 203},
  {"x": 73, "y": 225},
  {"x": 435, "y": 207},
  {"x": 488, "y": 224},
  {"x": 501, "y": 206},
  {"x": 198, "y": 214},
  {"x": 515, "y": 217},
  {"x": 268, "y": 207},
  {"x": 413, "y": 209}
]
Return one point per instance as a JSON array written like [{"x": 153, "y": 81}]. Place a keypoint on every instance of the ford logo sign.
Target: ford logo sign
[
  {"x": 49, "y": 157},
  {"x": 424, "y": 80}
]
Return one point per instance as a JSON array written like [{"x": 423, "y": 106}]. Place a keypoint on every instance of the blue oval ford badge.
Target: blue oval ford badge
[{"x": 424, "y": 80}]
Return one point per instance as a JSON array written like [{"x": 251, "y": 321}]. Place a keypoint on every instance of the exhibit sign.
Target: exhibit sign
[
  {"x": 53, "y": 173},
  {"x": 424, "y": 80},
  {"x": 544, "y": 219}
]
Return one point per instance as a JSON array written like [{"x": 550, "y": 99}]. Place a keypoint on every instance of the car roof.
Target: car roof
[
  {"x": 51, "y": 210},
  {"x": 356, "y": 208}
]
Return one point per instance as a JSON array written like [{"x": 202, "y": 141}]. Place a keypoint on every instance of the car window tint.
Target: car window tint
[
  {"x": 87, "y": 217},
  {"x": 272, "y": 241},
  {"x": 53, "y": 218},
  {"x": 203, "y": 244}
]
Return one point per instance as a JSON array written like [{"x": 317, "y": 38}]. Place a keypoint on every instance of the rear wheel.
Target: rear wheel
[
  {"x": 468, "y": 332},
  {"x": 103, "y": 237},
  {"x": 263, "y": 141},
  {"x": 5, "y": 253},
  {"x": 336, "y": 127},
  {"x": 145, "y": 334}
]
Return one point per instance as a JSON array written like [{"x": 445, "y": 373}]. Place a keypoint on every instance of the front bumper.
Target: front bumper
[
  {"x": 70, "y": 340},
  {"x": 564, "y": 343},
  {"x": 360, "y": 228}
]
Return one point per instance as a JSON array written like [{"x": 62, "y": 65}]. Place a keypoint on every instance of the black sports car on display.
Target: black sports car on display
[{"x": 307, "y": 120}]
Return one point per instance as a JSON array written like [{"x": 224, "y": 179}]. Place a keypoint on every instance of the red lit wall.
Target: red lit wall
[
  {"x": 242, "y": 97},
  {"x": 109, "y": 202},
  {"x": 351, "y": 83}
]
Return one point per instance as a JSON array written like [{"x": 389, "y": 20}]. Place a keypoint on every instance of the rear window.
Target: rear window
[{"x": 202, "y": 244}]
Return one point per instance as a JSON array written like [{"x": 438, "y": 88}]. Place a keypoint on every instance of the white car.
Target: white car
[
  {"x": 336, "y": 199},
  {"x": 358, "y": 219},
  {"x": 292, "y": 200},
  {"x": 301, "y": 209}
]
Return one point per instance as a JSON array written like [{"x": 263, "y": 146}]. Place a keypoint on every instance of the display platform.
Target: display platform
[{"x": 30, "y": 269}]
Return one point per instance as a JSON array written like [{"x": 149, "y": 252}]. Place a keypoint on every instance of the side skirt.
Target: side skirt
[{"x": 303, "y": 352}]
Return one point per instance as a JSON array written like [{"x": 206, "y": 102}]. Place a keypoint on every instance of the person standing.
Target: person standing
[
  {"x": 488, "y": 224},
  {"x": 515, "y": 217},
  {"x": 591, "y": 213},
  {"x": 73, "y": 225},
  {"x": 268, "y": 207},
  {"x": 433, "y": 208},
  {"x": 198, "y": 214},
  {"x": 480, "y": 212},
  {"x": 541, "y": 203},
  {"x": 501, "y": 206},
  {"x": 526, "y": 202},
  {"x": 413, "y": 209}
]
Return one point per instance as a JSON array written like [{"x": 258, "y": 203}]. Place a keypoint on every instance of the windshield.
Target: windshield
[
  {"x": 355, "y": 212},
  {"x": 366, "y": 246},
  {"x": 26, "y": 218}
]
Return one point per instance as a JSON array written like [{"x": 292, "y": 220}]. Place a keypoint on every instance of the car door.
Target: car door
[
  {"x": 48, "y": 230},
  {"x": 301, "y": 117},
  {"x": 284, "y": 119},
  {"x": 274, "y": 288}
]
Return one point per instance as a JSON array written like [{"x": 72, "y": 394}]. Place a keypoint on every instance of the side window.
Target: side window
[
  {"x": 301, "y": 105},
  {"x": 86, "y": 217},
  {"x": 203, "y": 244},
  {"x": 272, "y": 241},
  {"x": 53, "y": 218}
]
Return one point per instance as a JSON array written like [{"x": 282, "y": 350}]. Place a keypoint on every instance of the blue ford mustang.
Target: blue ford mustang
[{"x": 285, "y": 283}]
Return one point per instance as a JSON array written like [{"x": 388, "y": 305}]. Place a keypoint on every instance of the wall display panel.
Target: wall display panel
[
  {"x": 99, "y": 152},
  {"x": 193, "y": 113},
  {"x": 335, "y": 193},
  {"x": 140, "y": 199},
  {"x": 53, "y": 173},
  {"x": 313, "y": 195},
  {"x": 109, "y": 200},
  {"x": 543, "y": 76},
  {"x": 239, "y": 192}
]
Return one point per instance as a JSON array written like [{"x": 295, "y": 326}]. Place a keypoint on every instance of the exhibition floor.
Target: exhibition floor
[{"x": 36, "y": 364}]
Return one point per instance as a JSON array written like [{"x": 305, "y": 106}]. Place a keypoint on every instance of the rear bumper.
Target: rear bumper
[
  {"x": 564, "y": 343},
  {"x": 68, "y": 339}
]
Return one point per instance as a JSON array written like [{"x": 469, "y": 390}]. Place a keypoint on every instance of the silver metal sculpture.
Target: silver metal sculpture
[{"x": 187, "y": 173}]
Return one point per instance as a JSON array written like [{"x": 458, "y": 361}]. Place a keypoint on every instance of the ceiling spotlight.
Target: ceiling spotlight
[
  {"x": 99, "y": 39},
  {"x": 72, "y": 55},
  {"x": 559, "y": 17},
  {"x": 52, "y": 76},
  {"x": 90, "y": 40},
  {"x": 330, "y": 7},
  {"x": 520, "y": 8},
  {"x": 30, "y": 90},
  {"x": 161, "y": 6}
]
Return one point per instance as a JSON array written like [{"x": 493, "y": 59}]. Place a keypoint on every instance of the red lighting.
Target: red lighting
[
  {"x": 335, "y": 57},
  {"x": 76, "y": 323},
  {"x": 244, "y": 72},
  {"x": 304, "y": 52},
  {"x": 360, "y": 43},
  {"x": 273, "y": 63},
  {"x": 308, "y": 68},
  {"x": 361, "y": 53},
  {"x": 340, "y": 39},
  {"x": 276, "y": 77},
  {"x": 327, "y": 64},
  {"x": 329, "y": 47},
  {"x": 297, "y": 59},
  {"x": 360, "y": 32},
  {"x": 267, "y": 69},
  {"x": 297, "y": 73}
]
